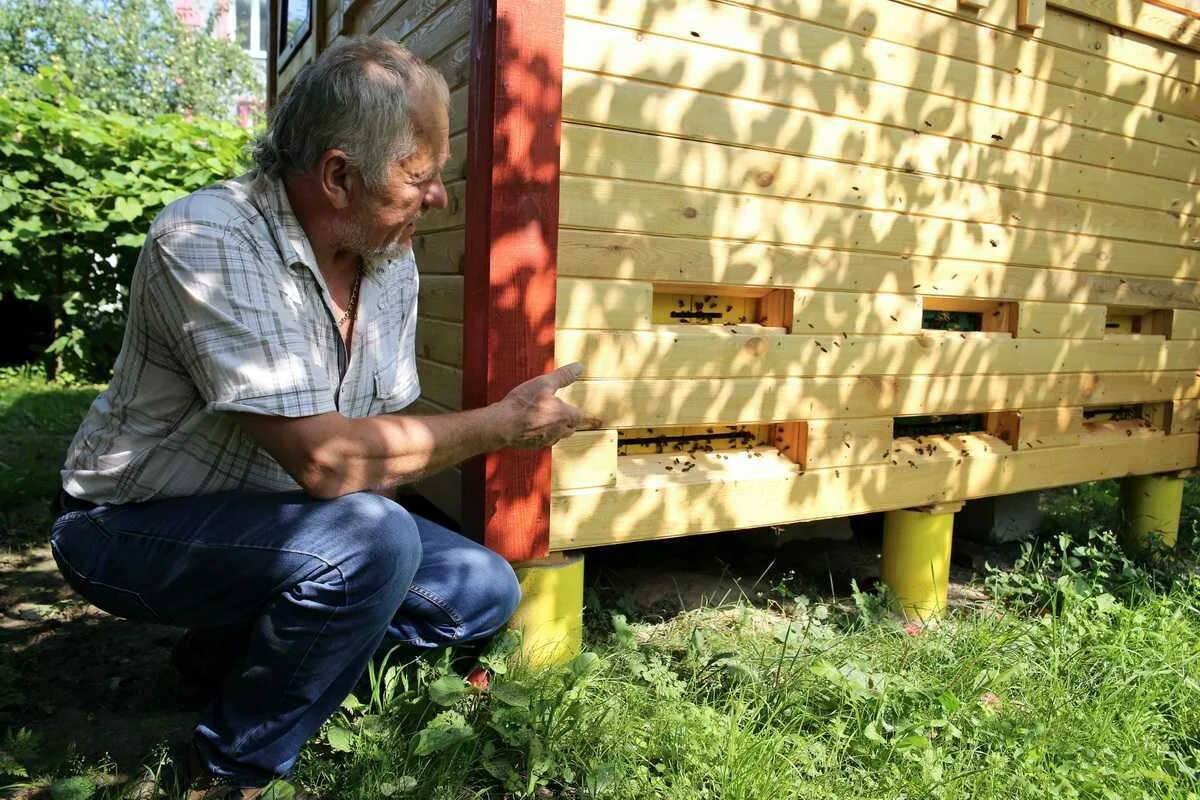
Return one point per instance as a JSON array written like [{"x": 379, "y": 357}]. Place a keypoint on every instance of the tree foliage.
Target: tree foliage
[
  {"x": 78, "y": 190},
  {"x": 129, "y": 56}
]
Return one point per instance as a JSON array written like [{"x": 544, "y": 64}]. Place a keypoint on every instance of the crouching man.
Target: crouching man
[{"x": 226, "y": 479}]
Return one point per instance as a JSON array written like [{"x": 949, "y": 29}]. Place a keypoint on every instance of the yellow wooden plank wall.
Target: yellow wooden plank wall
[{"x": 877, "y": 158}]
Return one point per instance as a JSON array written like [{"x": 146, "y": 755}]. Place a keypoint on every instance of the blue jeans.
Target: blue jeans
[{"x": 318, "y": 585}]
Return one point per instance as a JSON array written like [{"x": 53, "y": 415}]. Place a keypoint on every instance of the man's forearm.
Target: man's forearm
[
  {"x": 330, "y": 455},
  {"x": 376, "y": 453},
  {"x": 385, "y": 451}
]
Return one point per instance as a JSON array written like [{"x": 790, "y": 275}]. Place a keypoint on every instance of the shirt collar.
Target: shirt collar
[
  {"x": 293, "y": 241},
  {"x": 289, "y": 233}
]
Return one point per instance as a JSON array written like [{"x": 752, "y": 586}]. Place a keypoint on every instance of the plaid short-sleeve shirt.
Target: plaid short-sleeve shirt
[{"x": 228, "y": 311}]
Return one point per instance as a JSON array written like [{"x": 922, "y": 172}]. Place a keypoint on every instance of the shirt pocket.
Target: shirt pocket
[
  {"x": 396, "y": 381},
  {"x": 385, "y": 379}
]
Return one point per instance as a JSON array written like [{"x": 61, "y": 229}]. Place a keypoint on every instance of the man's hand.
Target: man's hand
[{"x": 535, "y": 417}]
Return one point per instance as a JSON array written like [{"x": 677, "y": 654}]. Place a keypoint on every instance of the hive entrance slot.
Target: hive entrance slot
[
  {"x": 1130, "y": 320},
  {"x": 727, "y": 306},
  {"x": 706, "y": 439},
  {"x": 711, "y": 444},
  {"x": 1129, "y": 419},
  {"x": 964, "y": 314},
  {"x": 935, "y": 425},
  {"x": 1112, "y": 413}
]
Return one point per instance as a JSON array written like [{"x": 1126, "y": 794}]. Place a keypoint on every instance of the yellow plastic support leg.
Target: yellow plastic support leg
[
  {"x": 550, "y": 616},
  {"x": 915, "y": 563},
  {"x": 1152, "y": 504}
]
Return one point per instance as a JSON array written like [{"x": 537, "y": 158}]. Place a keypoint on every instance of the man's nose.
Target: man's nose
[{"x": 435, "y": 196}]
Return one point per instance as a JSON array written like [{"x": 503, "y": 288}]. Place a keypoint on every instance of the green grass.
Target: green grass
[
  {"x": 1080, "y": 682},
  {"x": 37, "y": 421}
]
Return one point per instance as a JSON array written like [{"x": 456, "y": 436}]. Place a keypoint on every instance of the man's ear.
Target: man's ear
[{"x": 339, "y": 181}]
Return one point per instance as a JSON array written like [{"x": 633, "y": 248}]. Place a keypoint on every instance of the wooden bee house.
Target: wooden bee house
[{"x": 818, "y": 258}]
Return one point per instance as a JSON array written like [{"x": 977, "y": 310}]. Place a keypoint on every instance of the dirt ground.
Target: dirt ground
[{"x": 102, "y": 689}]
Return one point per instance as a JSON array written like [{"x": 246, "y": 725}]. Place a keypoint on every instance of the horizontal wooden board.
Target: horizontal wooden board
[
  {"x": 1060, "y": 320},
  {"x": 454, "y": 63},
  {"x": 1068, "y": 30},
  {"x": 1149, "y": 20},
  {"x": 679, "y": 505},
  {"x": 458, "y": 115},
  {"x": 610, "y": 304},
  {"x": 847, "y": 442},
  {"x": 374, "y": 13},
  {"x": 440, "y": 252},
  {"x": 703, "y": 353},
  {"x": 456, "y": 166},
  {"x": 870, "y": 26},
  {"x": 1185, "y": 324},
  {"x": 817, "y": 311},
  {"x": 440, "y": 383},
  {"x": 424, "y": 406},
  {"x": 715, "y": 261},
  {"x": 677, "y": 111},
  {"x": 832, "y": 42},
  {"x": 1185, "y": 416},
  {"x": 441, "y": 297},
  {"x": 444, "y": 490},
  {"x": 1041, "y": 427},
  {"x": 832, "y": 187},
  {"x": 429, "y": 34},
  {"x": 608, "y": 50},
  {"x": 654, "y": 402},
  {"x": 440, "y": 341},
  {"x": 658, "y": 209},
  {"x": 584, "y": 459}
]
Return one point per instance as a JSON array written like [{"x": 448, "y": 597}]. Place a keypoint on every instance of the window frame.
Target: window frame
[{"x": 288, "y": 49}]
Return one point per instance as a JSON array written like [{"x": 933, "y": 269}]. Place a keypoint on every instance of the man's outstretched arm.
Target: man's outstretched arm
[{"x": 330, "y": 455}]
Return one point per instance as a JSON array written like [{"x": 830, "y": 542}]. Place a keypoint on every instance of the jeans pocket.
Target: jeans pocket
[{"x": 78, "y": 544}]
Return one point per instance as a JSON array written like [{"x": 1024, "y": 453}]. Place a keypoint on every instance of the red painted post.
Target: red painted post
[{"x": 510, "y": 263}]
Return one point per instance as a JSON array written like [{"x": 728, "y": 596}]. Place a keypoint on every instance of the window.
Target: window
[
  {"x": 295, "y": 22},
  {"x": 251, "y": 21}
]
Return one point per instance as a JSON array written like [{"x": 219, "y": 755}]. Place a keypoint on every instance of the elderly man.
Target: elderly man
[{"x": 231, "y": 476}]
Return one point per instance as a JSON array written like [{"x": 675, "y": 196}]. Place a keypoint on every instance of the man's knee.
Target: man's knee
[
  {"x": 498, "y": 592},
  {"x": 376, "y": 544}
]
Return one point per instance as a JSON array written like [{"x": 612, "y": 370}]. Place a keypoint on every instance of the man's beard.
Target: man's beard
[{"x": 355, "y": 241}]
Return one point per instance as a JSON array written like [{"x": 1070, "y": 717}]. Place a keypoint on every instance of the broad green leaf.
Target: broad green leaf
[
  {"x": 446, "y": 690},
  {"x": 126, "y": 209},
  {"x": 512, "y": 694},
  {"x": 68, "y": 167},
  {"x": 583, "y": 664},
  {"x": 444, "y": 731},
  {"x": 340, "y": 739},
  {"x": 278, "y": 790}
]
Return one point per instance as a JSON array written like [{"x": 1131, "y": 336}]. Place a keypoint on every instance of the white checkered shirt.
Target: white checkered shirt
[{"x": 229, "y": 312}]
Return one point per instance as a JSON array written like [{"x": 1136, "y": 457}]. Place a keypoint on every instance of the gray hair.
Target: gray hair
[{"x": 358, "y": 97}]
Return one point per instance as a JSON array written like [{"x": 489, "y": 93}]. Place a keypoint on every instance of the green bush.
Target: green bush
[{"x": 78, "y": 190}]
